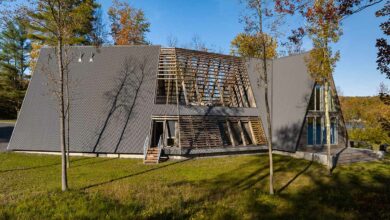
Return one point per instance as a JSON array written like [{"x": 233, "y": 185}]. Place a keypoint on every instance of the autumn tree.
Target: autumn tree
[
  {"x": 324, "y": 28},
  {"x": 323, "y": 19},
  {"x": 128, "y": 25},
  {"x": 365, "y": 116},
  {"x": 60, "y": 24},
  {"x": 36, "y": 46},
  {"x": 250, "y": 45},
  {"x": 257, "y": 43}
]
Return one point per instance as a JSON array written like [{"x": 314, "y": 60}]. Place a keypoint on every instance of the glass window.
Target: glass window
[
  {"x": 310, "y": 131},
  {"x": 171, "y": 133},
  {"x": 333, "y": 132},
  {"x": 318, "y": 130},
  {"x": 318, "y": 97}
]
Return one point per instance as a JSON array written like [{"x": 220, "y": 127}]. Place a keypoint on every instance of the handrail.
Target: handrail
[
  {"x": 146, "y": 146},
  {"x": 159, "y": 147}
]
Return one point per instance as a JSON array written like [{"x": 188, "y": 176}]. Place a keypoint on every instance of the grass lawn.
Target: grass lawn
[
  {"x": 214, "y": 188},
  {"x": 8, "y": 121}
]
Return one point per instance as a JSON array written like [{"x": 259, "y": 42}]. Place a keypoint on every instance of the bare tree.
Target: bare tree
[
  {"x": 172, "y": 41},
  {"x": 383, "y": 88},
  {"x": 198, "y": 44},
  {"x": 60, "y": 24},
  {"x": 260, "y": 18}
]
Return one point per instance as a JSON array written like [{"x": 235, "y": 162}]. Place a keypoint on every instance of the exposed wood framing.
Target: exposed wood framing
[
  {"x": 205, "y": 131},
  {"x": 204, "y": 79},
  {"x": 258, "y": 132}
]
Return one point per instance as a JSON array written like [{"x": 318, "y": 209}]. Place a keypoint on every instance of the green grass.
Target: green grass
[
  {"x": 8, "y": 121},
  {"x": 214, "y": 188}
]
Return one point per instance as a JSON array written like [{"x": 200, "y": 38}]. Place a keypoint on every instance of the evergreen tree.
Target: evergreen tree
[{"x": 14, "y": 50}]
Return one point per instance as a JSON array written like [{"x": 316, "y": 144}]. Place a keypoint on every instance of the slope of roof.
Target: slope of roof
[{"x": 99, "y": 106}]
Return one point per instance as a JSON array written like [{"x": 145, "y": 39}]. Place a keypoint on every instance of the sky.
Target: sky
[{"x": 216, "y": 22}]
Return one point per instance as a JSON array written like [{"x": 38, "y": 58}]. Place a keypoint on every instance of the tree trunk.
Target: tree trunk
[
  {"x": 327, "y": 123},
  {"x": 269, "y": 125},
  {"x": 64, "y": 179},
  {"x": 67, "y": 118},
  {"x": 271, "y": 164}
]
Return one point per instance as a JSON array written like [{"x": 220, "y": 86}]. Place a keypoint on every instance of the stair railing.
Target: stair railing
[
  {"x": 146, "y": 146},
  {"x": 159, "y": 147}
]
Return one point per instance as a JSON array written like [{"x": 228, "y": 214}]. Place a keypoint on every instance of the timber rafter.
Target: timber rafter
[{"x": 203, "y": 79}]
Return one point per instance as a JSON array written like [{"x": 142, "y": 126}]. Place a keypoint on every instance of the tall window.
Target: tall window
[
  {"x": 316, "y": 131},
  {"x": 315, "y": 103},
  {"x": 171, "y": 133},
  {"x": 317, "y": 100}
]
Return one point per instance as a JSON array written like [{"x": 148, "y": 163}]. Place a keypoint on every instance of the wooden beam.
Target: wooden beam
[
  {"x": 231, "y": 133},
  {"x": 185, "y": 92},
  {"x": 242, "y": 133},
  {"x": 252, "y": 133},
  {"x": 204, "y": 75}
]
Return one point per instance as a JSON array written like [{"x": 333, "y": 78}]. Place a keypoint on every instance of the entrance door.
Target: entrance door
[{"x": 158, "y": 131}]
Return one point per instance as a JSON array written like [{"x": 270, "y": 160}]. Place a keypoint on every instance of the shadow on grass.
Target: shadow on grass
[
  {"x": 360, "y": 191},
  {"x": 92, "y": 162},
  {"x": 49, "y": 165},
  {"x": 295, "y": 177},
  {"x": 134, "y": 174},
  {"x": 345, "y": 195}
]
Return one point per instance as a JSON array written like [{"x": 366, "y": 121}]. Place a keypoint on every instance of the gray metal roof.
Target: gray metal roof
[
  {"x": 290, "y": 90},
  {"x": 97, "y": 122},
  {"x": 104, "y": 119}
]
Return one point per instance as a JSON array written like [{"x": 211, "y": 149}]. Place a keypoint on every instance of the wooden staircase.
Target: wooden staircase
[{"x": 152, "y": 156}]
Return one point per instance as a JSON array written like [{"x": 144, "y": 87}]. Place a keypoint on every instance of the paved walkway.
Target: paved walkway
[
  {"x": 345, "y": 155},
  {"x": 352, "y": 155},
  {"x": 5, "y": 134}
]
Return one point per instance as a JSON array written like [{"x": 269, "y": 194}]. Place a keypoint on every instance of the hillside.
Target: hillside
[{"x": 370, "y": 111}]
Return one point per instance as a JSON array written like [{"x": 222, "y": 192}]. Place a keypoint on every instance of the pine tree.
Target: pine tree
[{"x": 14, "y": 50}]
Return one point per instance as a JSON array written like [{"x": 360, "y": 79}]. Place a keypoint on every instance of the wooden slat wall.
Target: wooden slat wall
[
  {"x": 258, "y": 131},
  {"x": 167, "y": 75},
  {"x": 204, "y": 78},
  {"x": 204, "y": 132}
]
